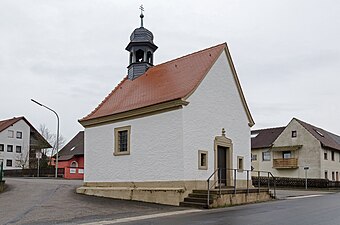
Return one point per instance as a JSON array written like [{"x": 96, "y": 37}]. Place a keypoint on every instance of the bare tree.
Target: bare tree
[
  {"x": 52, "y": 139},
  {"x": 22, "y": 159}
]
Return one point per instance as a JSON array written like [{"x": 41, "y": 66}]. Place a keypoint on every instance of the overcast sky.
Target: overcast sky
[{"x": 69, "y": 54}]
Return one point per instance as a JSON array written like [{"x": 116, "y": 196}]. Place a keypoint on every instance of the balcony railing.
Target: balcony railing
[{"x": 285, "y": 163}]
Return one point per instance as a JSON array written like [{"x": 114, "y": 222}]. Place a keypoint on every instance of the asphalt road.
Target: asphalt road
[
  {"x": 317, "y": 210},
  {"x": 49, "y": 201}
]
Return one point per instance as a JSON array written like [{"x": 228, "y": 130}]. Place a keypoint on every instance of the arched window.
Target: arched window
[
  {"x": 139, "y": 55},
  {"x": 149, "y": 57},
  {"x": 74, "y": 164}
]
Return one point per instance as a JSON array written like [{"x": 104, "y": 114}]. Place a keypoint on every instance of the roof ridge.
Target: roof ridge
[
  {"x": 327, "y": 137},
  {"x": 270, "y": 128},
  {"x": 105, "y": 99},
  {"x": 4, "y": 124},
  {"x": 15, "y": 117},
  {"x": 314, "y": 127},
  {"x": 193, "y": 53}
]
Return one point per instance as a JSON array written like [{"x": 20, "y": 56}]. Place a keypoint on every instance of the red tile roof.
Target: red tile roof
[
  {"x": 168, "y": 81},
  {"x": 4, "y": 124}
]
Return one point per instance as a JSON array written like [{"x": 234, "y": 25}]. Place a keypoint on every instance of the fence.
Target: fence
[
  {"x": 45, "y": 172},
  {"x": 296, "y": 182}
]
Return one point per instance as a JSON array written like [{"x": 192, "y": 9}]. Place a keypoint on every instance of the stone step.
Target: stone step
[
  {"x": 200, "y": 200},
  {"x": 193, "y": 205},
  {"x": 229, "y": 191},
  {"x": 202, "y": 195}
]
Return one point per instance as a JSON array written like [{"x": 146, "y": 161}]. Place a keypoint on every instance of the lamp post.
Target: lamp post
[{"x": 57, "y": 144}]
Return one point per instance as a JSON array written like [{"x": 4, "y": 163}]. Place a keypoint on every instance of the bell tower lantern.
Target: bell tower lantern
[{"x": 141, "y": 48}]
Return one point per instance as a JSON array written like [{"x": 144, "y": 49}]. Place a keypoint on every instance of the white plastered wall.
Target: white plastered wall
[
  {"x": 22, "y": 126},
  {"x": 216, "y": 104},
  {"x": 329, "y": 165},
  {"x": 155, "y": 153}
]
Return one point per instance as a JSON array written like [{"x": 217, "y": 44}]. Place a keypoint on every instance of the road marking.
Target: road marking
[
  {"x": 304, "y": 196},
  {"x": 136, "y": 218}
]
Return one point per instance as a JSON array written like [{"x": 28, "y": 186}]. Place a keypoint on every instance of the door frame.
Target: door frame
[{"x": 223, "y": 141}]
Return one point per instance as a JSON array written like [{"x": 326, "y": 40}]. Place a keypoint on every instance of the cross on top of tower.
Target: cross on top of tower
[{"x": 141, "y": 15}]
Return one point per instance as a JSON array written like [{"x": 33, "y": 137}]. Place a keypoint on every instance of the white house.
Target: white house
[
  {"x": 18, "y": 138},
  {"x": 288, "y": 151},
  {"x": 160, "y": 129}
]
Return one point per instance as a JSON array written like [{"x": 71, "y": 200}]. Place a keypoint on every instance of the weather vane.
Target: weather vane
[{"x": 141, "y": 15}]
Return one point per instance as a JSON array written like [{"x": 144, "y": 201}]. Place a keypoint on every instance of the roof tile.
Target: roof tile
[
  {"x": 265, "y": 137},
  {"x": 168, "y": 81}
]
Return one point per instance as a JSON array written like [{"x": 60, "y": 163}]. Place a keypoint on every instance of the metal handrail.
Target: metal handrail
[
  {"x": 1, "y": 170},
  {"x": 219, "y": 180}
]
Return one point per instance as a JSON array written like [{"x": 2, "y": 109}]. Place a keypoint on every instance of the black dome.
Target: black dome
[{"x": 141, "y": 34}]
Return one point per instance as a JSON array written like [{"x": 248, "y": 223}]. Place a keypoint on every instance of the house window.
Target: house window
[
  {"x": 9, "y": 163},
  {"x": 253, "y": 157},
  {"x": 333, "y": 175},
  {"x": 74, "y": 164},
  {"x": 202, "y": 160},
  {"x": 337, "y": 176},
  {"x": 325, "y": 157},
  {"x": 9, "y": 148},
  {"x": 326, "y": 174},
  {"x": 2, "y": 147},
  {"x": 286, "y": 154},
  {"x": 266, "y": 156},
  {"x": 240, "y": 165},
  {"x": 294, "y": 134},
  {"x": 19, "y": 134},
  {"x": 10, "y": 133},
  {"x": 333, "y": 156},
  {"x": 18, "y": 149},
  {"x": 122, "y": 140}
]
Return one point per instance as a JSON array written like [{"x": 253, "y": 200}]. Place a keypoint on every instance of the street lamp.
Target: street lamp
[{"x": 57, "y": 145}]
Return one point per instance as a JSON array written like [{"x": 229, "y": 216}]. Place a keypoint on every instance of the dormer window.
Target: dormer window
[
  {"x": 254, "y": 135},
  {"x": 319, "y": 133}
]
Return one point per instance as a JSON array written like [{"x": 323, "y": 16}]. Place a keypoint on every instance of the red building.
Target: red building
[{"x": 71, "y": 157}]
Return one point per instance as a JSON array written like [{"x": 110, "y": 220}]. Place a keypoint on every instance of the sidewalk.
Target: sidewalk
[{"x": 287, "y": 193}]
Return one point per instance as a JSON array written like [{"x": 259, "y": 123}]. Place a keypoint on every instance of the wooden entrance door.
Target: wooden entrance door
[{"x": 222, "y": 165}]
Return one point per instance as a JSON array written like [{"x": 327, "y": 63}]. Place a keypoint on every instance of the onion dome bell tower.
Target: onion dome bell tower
[{"x": 141, "y": 48}]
